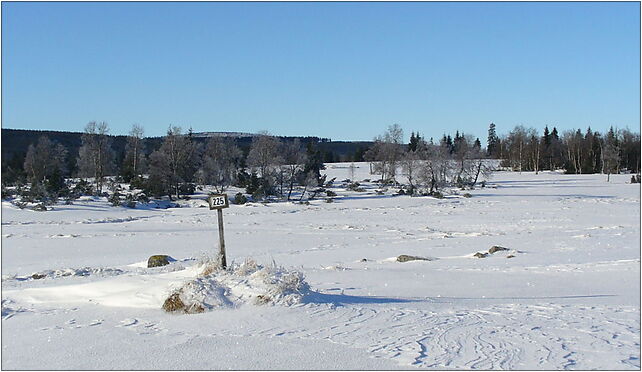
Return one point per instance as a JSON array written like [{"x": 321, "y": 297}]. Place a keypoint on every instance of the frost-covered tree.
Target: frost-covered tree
[
  {"x": 173, "y": 164},
  {"x": 310, "y": 181},
  {"x": 294, "y": 160},
  {"x": 95, "y": 156},
  {"x": 463, "y": 154},
  {"x": 630, "y": 150},
  {"x": 386, "y": 152},
  {"x": 534, "y": 150},
  {"x": 572, "y": 140},
  {"x": 134, "y": 160},
  {"x": 516, "y": 144},
  {"x": 480, "y": 166},
  {"x": 412, "y": 162},
  {"x": 44, "y": 160},
  {"x": 220, "y": 163},
  {"x": 610, "y": 154},
  {"x": 436, "y": 169},
  {"x": 264, "y": 157}
]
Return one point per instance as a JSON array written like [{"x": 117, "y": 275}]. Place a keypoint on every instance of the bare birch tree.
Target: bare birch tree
[
  {"x": 44, "y": 159},
  {"x": 95, "y": 156},
  {"x": 386, "y": 153},
  {"x": 264, "y": 157},
  {"x": 173, "y": 164},
  {"x": 220, "y": 163},
  {"x": 134, "y": 161},
  {"x": 294, "y": 159}
]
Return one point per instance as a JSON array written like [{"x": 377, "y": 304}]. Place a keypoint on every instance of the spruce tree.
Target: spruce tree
[
  {"x": 414, "y": 140},
  {"x": 477, "y": 144},
  {"x": 493, "y": 141}
]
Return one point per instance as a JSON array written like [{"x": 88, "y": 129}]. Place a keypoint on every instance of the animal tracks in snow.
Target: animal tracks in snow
[{"x": 498, "y": 337}]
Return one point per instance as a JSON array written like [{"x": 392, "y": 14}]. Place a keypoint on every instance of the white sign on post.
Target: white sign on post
[{"x": 218, "y": 202}]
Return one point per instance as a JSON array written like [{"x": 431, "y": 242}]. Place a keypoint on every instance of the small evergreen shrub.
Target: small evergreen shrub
[
  {"x": 240, "y": 199},
  {"x": 39, "y": 207},
  {"x": 114, "y": 199},
  {"x": 142, "y": 198},
  {"x": 83, "y": 188},
  {"x": 7, "y": 193},
  {"x": 137, "y": 183},
  {"x": 130, "y": 201},
  {"x": 355, "y": 187},
  {"x": 187, "y": 188}
]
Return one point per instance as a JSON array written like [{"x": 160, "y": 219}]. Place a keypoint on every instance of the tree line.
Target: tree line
[
  {"x": 461, "y": 161},
  {"x": 270, "y": 167},
  {"x": 428, "y": 166},
  {"x": 574, "y": 151}
]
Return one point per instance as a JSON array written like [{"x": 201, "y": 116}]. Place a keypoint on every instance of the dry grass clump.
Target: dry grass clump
[
  {"x": 210, "y": 266},
  {"x": 175, "y": 304}
]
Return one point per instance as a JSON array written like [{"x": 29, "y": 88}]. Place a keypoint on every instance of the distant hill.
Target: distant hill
[{"x": 224, "y": 134}]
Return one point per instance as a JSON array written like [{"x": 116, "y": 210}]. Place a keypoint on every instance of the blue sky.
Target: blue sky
[{"x": 338, "y": 70}]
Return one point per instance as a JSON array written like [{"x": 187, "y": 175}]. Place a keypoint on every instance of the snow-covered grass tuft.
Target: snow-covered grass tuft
[
  {"x": 69, "y": 272},
  {"x": 243, "y": 283}
]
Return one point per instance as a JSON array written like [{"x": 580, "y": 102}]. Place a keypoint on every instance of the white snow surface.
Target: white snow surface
[{"x": 568, "y": 299}]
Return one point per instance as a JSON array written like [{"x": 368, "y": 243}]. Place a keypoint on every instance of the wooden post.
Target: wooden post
[
  {"x": 218, "y": 202},
  {"x": 221, "y": 239}
]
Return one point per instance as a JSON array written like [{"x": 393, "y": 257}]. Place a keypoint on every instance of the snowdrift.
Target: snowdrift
[
  {"x": 200, "y": 287},
  {"x": 247, "y": 282}
]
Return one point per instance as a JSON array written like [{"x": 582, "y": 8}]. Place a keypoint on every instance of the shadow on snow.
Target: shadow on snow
[{"x": 343, "y": 299}]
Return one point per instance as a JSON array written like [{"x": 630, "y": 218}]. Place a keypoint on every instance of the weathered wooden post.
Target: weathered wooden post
[{"x": 218, "y": 202}]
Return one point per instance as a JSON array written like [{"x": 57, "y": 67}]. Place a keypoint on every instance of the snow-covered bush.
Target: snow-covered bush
[
  {"x": 247, "y": 282},
  {"x": 114, "y": 199}
]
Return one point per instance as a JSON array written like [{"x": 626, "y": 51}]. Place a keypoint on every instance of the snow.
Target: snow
[{"x": 568, "y": 299}]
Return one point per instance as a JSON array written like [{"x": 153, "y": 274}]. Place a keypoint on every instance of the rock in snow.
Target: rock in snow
[
  {"x": 158, "y": 260},
  {"x": 496, "y": 248},
  {"x": 406, "y": 258}
]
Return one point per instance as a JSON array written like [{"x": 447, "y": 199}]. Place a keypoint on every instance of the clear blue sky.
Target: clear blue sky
[{"x": 338, "y": 70}]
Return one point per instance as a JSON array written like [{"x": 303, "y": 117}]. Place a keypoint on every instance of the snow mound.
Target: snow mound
[
  {"x": 58, "y": 273},
  {"x": 245, "y": 283}
]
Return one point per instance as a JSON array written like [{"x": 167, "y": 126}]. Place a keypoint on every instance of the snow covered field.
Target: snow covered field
[{"x": 568, "y": 299}]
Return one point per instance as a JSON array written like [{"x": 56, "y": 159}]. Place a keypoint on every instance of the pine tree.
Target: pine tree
[
  {"x": 414, "y": 141},
  {"x": 477, "y": 144},
  {"x": 547, "y": 137},
  {"x": 493, "y": 141}
]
